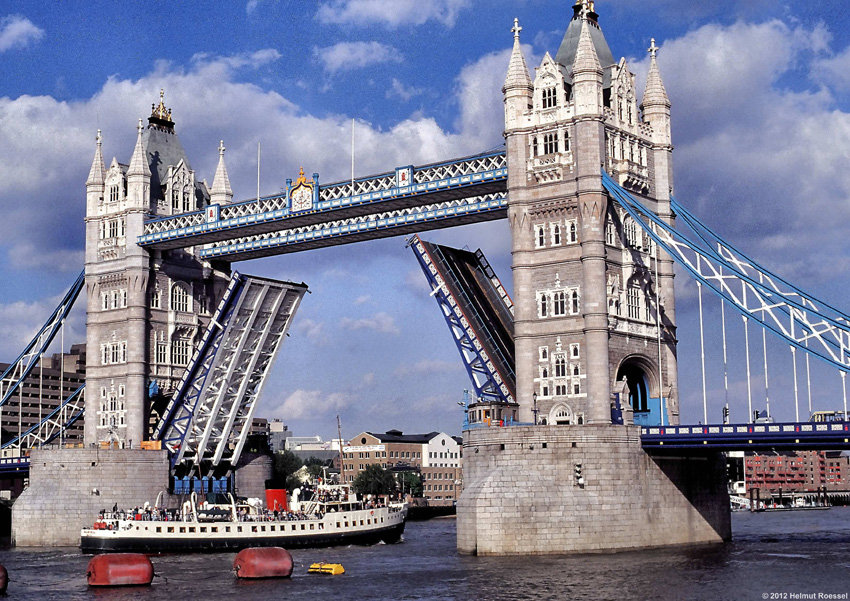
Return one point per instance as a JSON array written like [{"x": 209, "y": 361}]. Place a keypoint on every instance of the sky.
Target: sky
[{"x": 760, "y": 94}]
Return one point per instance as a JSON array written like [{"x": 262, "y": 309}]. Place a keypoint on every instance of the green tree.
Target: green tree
[
  {"x": 410, "y": 483},
  {"x": 316, "y": 466},
  {"x": 374, "y": 480},
  {"x": 286, "y": 463}
]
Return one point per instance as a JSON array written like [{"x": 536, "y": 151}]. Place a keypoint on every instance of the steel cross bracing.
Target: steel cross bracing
[
  {"x": 18, "y": 371},
  {"x": 367, "y": 227},
  {"x": 54, "y": 424},
  {"x": 206, "y": 424},
  {"x": 466, "y": 177},
  {"x": 489, "y": 384},
  {"x": 803, "y": 321}
]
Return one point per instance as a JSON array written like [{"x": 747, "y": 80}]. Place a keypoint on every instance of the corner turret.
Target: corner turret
[
  {"x": 656, "y": 103},
  {"x": 587, "y": 75},
  {"x": 221, "y": 192},
  {"x": 518, "y": 89}
]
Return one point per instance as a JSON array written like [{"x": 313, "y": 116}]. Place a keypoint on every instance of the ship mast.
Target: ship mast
[{"x": 341, "y": 464}]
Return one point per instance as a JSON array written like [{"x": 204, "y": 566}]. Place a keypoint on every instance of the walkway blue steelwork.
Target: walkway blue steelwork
[
  {"x": 479, "y": 314},
  {"x": 743, "y": 437},
  {"x": 393, "y": 195}
]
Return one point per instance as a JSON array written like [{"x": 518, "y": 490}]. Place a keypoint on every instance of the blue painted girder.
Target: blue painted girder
[{"x": 743, "y": 437}]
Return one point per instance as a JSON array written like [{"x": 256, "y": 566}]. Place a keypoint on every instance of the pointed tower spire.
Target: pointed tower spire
[
  {"x": 138, "y": 164},
  {"x": 221, "y": 191},
  {"x": 517, "y": 69},
  {"x": 586, "y": 57},
  {"x": 656, "y": 103},
  {"x": 97, "y": 174},
  {"x": 655, "y": 93},
  {"x": 587, "y": 74}
]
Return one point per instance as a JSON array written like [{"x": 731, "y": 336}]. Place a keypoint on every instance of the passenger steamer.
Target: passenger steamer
[{"x": 334, "y": 516}]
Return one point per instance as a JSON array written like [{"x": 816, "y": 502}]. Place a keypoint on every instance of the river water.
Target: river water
[{"x": 773, "y": 556}]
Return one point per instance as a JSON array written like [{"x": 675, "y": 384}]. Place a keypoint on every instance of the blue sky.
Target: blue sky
[{"x": 761, "y": 119}]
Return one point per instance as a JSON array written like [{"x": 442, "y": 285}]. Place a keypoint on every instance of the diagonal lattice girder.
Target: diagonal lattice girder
[
  {"x": 491, "y": 368},
  {"x": 18, "y": 371},
  {"x": 54, "y": 424},
  {"x": 801, "y": 320},
  {"x": 207, "y": 421}
]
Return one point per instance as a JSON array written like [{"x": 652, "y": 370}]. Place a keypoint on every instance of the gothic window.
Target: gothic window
[
  {"x": 560, "y": 367},
  {"x": 573, "y": 232},
  {"x": 544, "y": 373},
  {"x": 113, "y": 228},
  {"x": 575, "y": 370},
  {"x": 161, "y": 353},
  {"x": 113, "y": 193},
  {"x": 544, "y": 353},
  {"x": 550, "y": 98},
  {"x": 566, "y": 141},
  {"x": 556, "y": 234},
  {"x": 121, "y": 227},
  {"x": 574, "y": 302},
  {"x": 541, "y": 236},
  {"x": 560, "y": 389},
  {"x": 179, "y": 299},
  {"x": 156, "y": 298},
  {"x": 631, "y": 232},
  {"x": 104, "y": 298},
  {"x": 550, "y": 143},
  {"x": 610, "y": 233},
  {"x": 631, "y": 118},
  {"x": 576, "y": 388},
  {"x": 633, "y": 302},
  {"x": 574, "y": 350},
  {"x": 560, "y": 304},
  {"x": 175, "y": 199},
  {"x": 180, "y": 352},
  {"x": 543, "y": 308},
  {"x": 534, "y": 151}
]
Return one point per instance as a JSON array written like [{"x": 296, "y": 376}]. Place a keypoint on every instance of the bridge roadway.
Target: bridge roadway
[
  {"x": 788, "y": 436},
  {"x": 456, "y": 192}
]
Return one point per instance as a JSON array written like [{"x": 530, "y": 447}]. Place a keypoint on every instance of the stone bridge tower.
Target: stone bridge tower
[
  {"x": 145, "y": 310},
  {"x": 588, "y": 329},
  {"x": 587, "y": 274}
]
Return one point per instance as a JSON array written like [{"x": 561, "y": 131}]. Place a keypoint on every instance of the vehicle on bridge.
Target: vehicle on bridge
[
  {"x": 331, "y": 516},
  {"x": 828, "y": 416}
]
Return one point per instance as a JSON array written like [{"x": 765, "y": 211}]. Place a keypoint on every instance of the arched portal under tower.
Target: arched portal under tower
[{"x": 641, "y": 385}]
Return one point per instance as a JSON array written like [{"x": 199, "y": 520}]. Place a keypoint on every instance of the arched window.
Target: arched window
[
  {"x": 556, "y": 234},
  {"x": 560, "y": 367},
  {"x": 560, "y": 304},
  {"x": 574, "y": 303},
  {"x": 550, "y": 98},
  {"x": 113, "y": 193},
  {"x": 573, "y": 232},
  {"x": 179, "y": 299},
  {"x": 541, "y": 236},
  {"x": 544, "y": 309},
  {"x": 544, "y": 373},
  {"x": 550, "y": 143}
]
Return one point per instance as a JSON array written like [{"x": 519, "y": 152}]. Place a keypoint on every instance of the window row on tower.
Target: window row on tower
[
  {"x": 551, "y": 142},
  {"x": 559, "y": 233},
  {"x": 112, "y": 228},
  {"x": 113, "y": 352},
  {"x": 111, "y": 408},
  {"x": 113, "y": 299},
  {"x": 558, "y": 302}
]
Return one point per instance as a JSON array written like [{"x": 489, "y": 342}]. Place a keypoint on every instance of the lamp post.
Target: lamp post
[{"x": 534, "y": 409}]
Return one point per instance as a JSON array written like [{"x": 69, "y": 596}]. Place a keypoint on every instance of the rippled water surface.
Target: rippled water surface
[{"x": 772, "y": 556}]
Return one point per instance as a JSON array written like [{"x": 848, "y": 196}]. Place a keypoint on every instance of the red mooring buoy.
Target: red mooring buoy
[
  {"x": 119, "y": 569},
  {"x": 4, "y": 580},
  {"x": 266, "y": 562}
]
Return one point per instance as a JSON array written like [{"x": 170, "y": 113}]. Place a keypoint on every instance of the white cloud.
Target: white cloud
[
  {"x": 18, "y": 32},
  {"x": 362, "y": 300},
  {"x": 428, "y": 367},
  {"x": 254, "y": 60},
  {"x": 311, "y": 329},
  {"x": 380, "y": 322},
  {"x": 310, "y": 403},
  {"x": 391, "y": 13},
  {"x": 347, "y": 56},
  {"x": 399, "y": 89}
]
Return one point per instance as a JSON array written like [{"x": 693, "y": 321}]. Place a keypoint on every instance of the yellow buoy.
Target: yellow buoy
[{"x": 326, "y": 568}]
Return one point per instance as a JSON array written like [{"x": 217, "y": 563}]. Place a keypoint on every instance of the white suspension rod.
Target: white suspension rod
[
  {"x": 658, "y": 328},
  {"x": 725, "y": 368},
  {"x": 702, "y": 357},
  {"x": 766, "y": 387}
]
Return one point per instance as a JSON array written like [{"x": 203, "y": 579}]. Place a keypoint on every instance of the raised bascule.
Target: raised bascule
[{"x": 572, "y": 441}]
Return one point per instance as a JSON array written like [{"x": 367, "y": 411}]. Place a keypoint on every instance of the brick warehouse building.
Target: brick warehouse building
[
  {"x": 435, "y": 456},
  {"x": 797, "y": 471}
]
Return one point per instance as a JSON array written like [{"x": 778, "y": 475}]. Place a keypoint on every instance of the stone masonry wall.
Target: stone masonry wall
[
  {"x": 521, "y": 497},
  {"x": 68, "y": 487}
]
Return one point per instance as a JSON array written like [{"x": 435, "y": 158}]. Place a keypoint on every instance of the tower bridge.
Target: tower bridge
[{"x": 579, "y": 367}]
